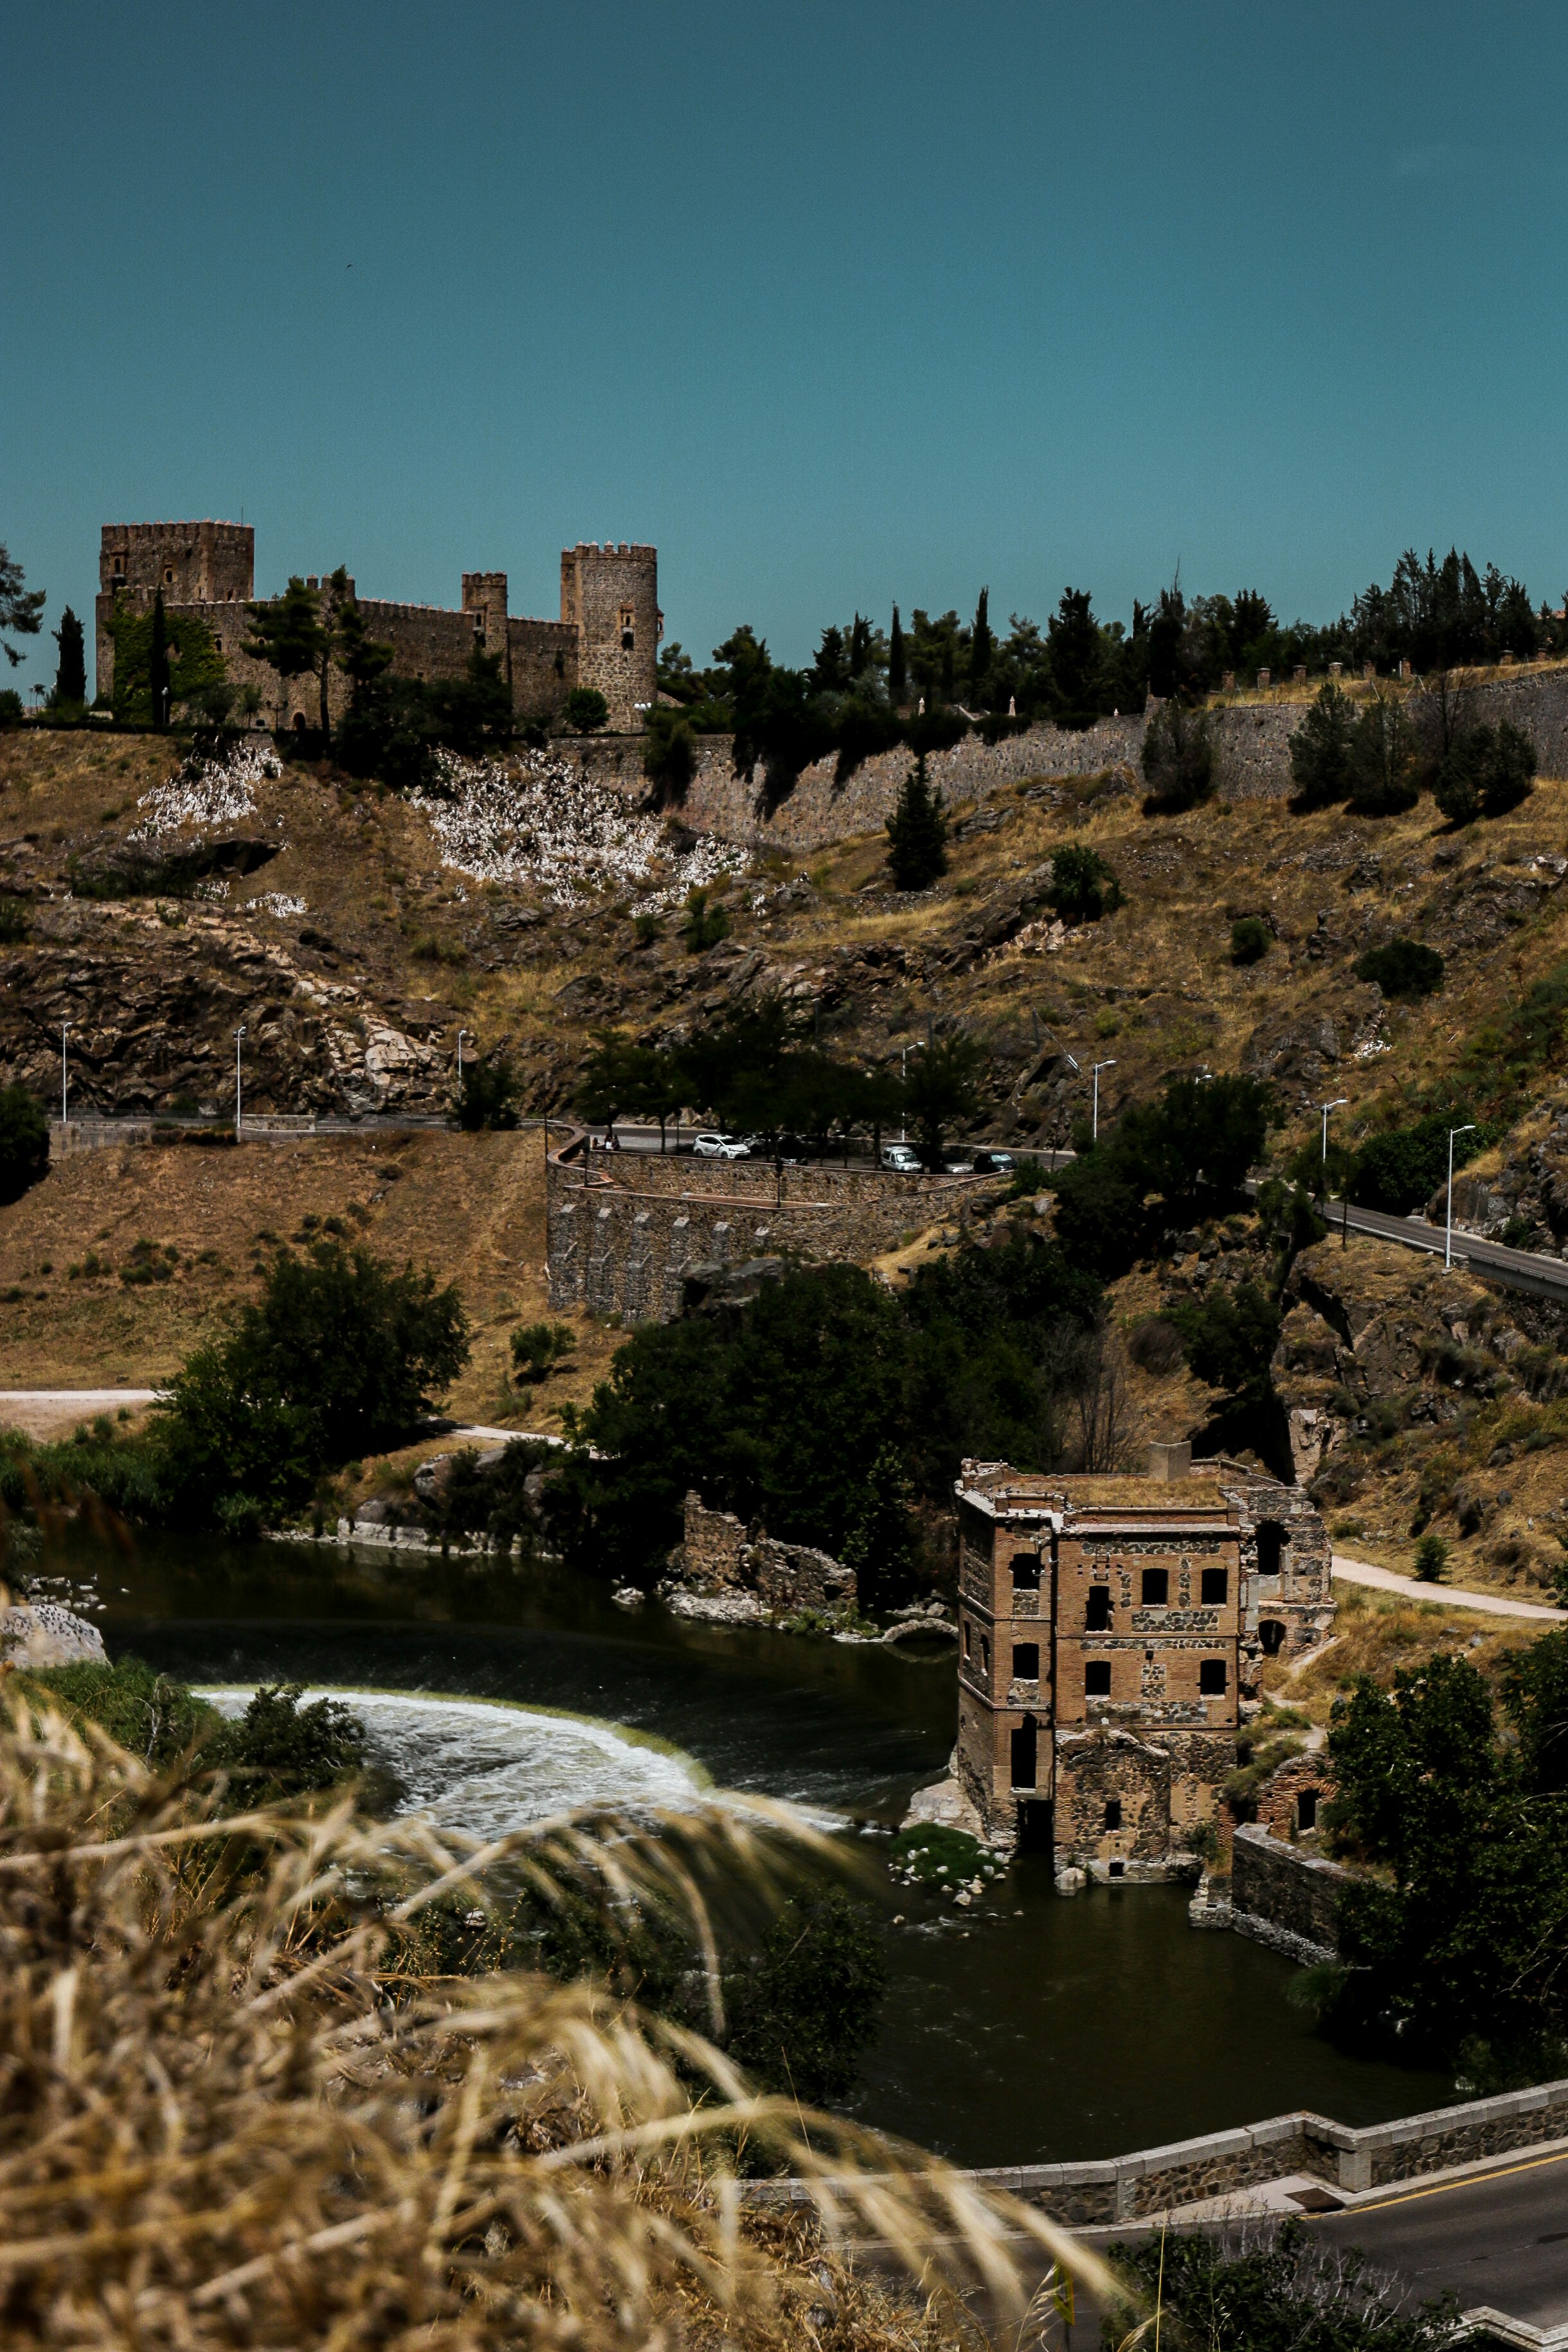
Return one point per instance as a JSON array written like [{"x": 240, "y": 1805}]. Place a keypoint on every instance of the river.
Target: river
[{"x": 1034, "y": 2028}]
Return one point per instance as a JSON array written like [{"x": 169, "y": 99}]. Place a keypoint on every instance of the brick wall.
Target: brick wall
[{"x": 621, "y": 1245}]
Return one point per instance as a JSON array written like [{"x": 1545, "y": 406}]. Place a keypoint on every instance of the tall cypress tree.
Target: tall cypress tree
[
  {"x": 158, "y": 663},
  {"x": 71, "y": 677},
  {"x": 982, "y": 647},
  {"x": 917, "y": 832},
  {"x": 897, "y": 673},
  {"x": 859, "y": 646}
]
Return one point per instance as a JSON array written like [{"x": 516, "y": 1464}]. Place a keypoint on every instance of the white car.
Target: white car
[
  {"x": 898, "y": 1160},
  {"x": 712, "y": 1145}
]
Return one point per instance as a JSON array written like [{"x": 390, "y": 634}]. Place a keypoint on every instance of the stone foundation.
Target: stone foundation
[
  {"x": 1285, "y": 1896},
  {"x": 720, "y": 1560}
]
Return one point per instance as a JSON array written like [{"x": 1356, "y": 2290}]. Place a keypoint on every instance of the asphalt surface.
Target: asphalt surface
[{"x": 1501, "y": 2241}]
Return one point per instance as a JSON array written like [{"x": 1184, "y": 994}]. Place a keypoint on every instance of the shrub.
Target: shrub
[
  {"x": 808, "y": 2004},
  {"x": 1431, "y": 1560},
  {"x": 1177, "y": 759},
  {"x": 489, "y": 1096},
  {"x": 1251, "y": 940},
  {"x": 24, "y": 1142},
  {"x": 537, "y": 1347},
  {"x": 1231, "y": 1339},
  {"x": 704, "y": 925},
  {"x": 15, "y": 921},
  {"x": 1320, "y": 748},
  {"x": 1082, "y": 887},
  {"x": 1487, "y": 771},
  {"x": 1403, "y": 968},
  {"x": 1383, "y": 759},
  {"x": 586, "y": 710},
  {"x": 11, "y": 707},
  {"x": 1155, "y": 1346},
  {"x": 1400, "y": 1170},
  {"x": 669, "y": 754}
]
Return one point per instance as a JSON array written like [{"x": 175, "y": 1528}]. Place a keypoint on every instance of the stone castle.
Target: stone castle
[
  {"x": 1111, "y": 1637},
  {"x": 607, "y": 635}
]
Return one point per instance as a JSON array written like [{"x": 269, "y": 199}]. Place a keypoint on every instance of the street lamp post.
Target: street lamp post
[
  {"x": 1095, "y": 1124},
  {"x": 64, "y": 1026},
  {"x": 904, "y": 1085},
  {"x": 461, "y": 1034},
  {"x": 1338, "y": 1103},
  {"x": 239, "y": 1105},
  {"x": 1469, "y": 1128}
]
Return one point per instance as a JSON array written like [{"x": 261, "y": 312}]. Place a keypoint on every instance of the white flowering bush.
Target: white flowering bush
[
  {"x": 274, "y": 902},
  {"x": 541, "y": 822},
  {"x": 207, "y": 792}
]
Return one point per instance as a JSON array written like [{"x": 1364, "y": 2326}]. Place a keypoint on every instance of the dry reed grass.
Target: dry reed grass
[{"x": 229, "y": 2117}]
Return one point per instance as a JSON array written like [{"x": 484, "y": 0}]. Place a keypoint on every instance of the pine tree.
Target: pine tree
[
  {"x": 982, "y": 647},
  {"x": 897, "y": 674},
  {"x": 71, "y": 677},
  {"x": 158, "y": 663},
  {"x": 859, "y": 646},
  {"x": 917, "y": 832}
]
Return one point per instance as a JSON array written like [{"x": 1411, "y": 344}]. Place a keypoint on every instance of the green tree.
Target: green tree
[
  {"x": 1177, "y": 759},
  {"x": 537, "y": 1347},
  {"x": 1384, "y": 758},
  {"x": 585, "y": 711},
  {"x": 982, "y": 647},
  {"x": 1321, "y": 752},
  {"x": 669, "y": 754},
  {"x": 1082, "y": 885},
  {"x": 705, "y": 924},
  {"x": 1251, "y": 940},
  {"x": 1076, "y": 659},
  {"x": 488, "y": 1097},
  {"x": 1431, "y": 1559},
  {"x": 1487, "y": 771},
  {"x": 1401, "y": 1169},
  {"x": 917, "y": 832},
  {"x": 942, "y": 1091},
  {"x": 806, "y": 2006},
  {"x": 21, "y": 608},
  {"x": 338, "y": 1358},
  {"x": 290, "y": 635},
  {"x": 897, "y": 666},
  {"x": 1162, "y": 1166},
  {"x": 70, "y": 673},
  {"x": 24, "y": 1142},
  {"x": 190, "y": 662},
  {"x": 877, "y": 1539},
  {"x": 1230, "y": 1338}
]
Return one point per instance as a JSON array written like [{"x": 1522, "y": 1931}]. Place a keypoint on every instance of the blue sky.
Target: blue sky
[{"x": 839, "y": 305}]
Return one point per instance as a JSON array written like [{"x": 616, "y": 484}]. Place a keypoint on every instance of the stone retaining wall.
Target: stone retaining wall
[
  {"x": 623, "y": 1245},
  {"x": 1285, "y": 1896},
  {"x": 718, "y": 1554},
  {"x": 1155, "y": 2179},
  {"x": 1252, "y": 761}
]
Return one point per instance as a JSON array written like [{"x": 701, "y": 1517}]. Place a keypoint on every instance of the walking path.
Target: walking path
[
  {"x": 1362, "y": 1571},
  {"x": 41, "y": 1411}
]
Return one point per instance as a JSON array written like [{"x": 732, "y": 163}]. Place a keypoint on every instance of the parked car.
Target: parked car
[
  {"x": 958, "y": 1163},
  {"x": 994, "y": 1163},
  {"x": 712, "y": 1145},
  {"x": 898, "y": 1160}
]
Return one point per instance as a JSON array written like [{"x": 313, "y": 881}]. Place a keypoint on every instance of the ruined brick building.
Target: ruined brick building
[
  {"x": 607, "y": 635},
  {"x": 1111, "y": 1633}
]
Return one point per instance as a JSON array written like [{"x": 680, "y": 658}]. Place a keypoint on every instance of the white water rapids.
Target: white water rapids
[{"x": 489, "y": 1769}]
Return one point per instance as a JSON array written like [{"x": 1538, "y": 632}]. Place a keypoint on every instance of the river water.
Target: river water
[{"x": 1034, "y": 2028}]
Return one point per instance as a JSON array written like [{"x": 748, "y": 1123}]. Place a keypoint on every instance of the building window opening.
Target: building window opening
[
  {"x": 1113, "y": 1812},
  {"x": 1118, "y": 1869},
  {"x": 1212, "y": 1678},
  {"x": 968, "y": 1639},
  {"x": 1023, "y": 1755},
  {"x": 1270, "y": 1544},
  {"x": 300, "y": 722},
  {"x": 560, "y": 664},
  {"x": 1271, "y": 1633},
  {"x": 120, "y": 562},
  {"x": 1098, "y": 1618},
  {"x": 1026, "y": 1571},
  {"x": 1307, "y": 1810},
  {"x": 984, "y": 1655},
  {"x": 168, "y": 575},
  {"x": 628, "y": 642},
  {"x": 1026, "y": 1661},
  {"x": 1215, "y": 1590},
  {"x": 1097, "y": 1678},
  {"x": 217, "y": 645},
  {"x": 1156, "y": 1586}
]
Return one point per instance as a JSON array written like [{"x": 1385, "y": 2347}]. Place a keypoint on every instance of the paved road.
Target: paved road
[
  {"x": 1499, "y": 2242},
  {"x": 1362, "y": 1571}
]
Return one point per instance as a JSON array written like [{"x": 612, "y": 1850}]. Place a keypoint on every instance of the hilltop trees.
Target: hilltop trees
[
  {"x": 70, "y": 674},
  {"x": 289, "y": 635},
  {"x": 917, "y": 832},
  {"x": 21, "y": 608},
  {"x": 1321, "y": 751},
  {"x": 24, "y": 1142},
  {"x": 1487, "y": 771}
]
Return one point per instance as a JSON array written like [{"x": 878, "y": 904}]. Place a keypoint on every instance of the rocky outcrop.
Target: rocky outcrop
[{"x": 41, "y": 1634}]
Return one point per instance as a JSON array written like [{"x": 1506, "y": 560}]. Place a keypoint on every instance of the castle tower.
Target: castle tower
[
  {"x": 611, "y": 595},
  {"x": 192, "y": 562},
  {"x": 484, "y": 595}
]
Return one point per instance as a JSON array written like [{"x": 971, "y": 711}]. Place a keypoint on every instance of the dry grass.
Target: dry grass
[
  {"x": 1378, "y": 1634},
  {"x": 230, "y": 2118}
]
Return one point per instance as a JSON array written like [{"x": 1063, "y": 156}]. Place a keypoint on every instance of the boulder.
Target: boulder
[{"x": 41, "y": 1634}]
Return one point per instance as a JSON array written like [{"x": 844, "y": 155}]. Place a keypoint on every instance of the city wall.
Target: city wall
[
  {"x": 622, "y": 1244},
  {"x": 1253, "y": 761}
]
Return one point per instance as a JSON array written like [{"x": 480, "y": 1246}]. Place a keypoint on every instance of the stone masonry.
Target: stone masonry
[
  {"x": 1111, "y": 1633},
  {"x": 719, "y": 1556},
  {"x": 607, "y": 635},
  {"x": 622, "y": 1244}
]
